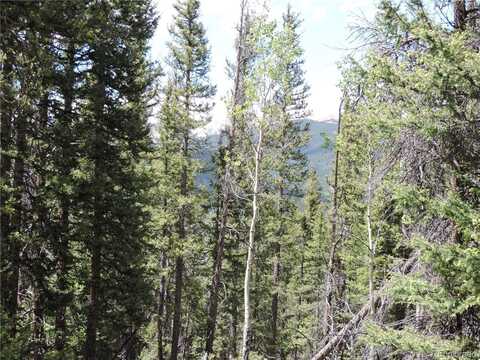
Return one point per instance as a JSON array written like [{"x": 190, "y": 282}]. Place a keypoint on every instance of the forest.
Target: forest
[{"x": 112, "y": 247}]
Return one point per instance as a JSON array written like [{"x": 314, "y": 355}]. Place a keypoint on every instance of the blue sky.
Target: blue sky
[{"x": 325, "y": 40}]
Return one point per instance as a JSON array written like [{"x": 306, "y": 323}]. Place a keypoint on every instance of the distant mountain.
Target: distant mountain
[{"x": 319, "y": 151}]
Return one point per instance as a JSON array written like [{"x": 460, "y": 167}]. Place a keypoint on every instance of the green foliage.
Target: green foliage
[
  {"x": 409, "y": 341},
  {"x": 407, "y": 102},
  {"x": 108, "y": 238}
]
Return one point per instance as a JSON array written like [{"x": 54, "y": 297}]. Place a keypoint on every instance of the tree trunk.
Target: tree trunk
[
  {"x": 60, "y": 321},
  {"x": 213, "y": 299},
  {"x": 95, "y": 245},
  {"x": 92, "y": 317},
  {"x": 6, "y": 99},
  {"x": 300, "y": 297},
  {"x": 38, "y": 324},
  {"x": 219, "y": 255},
  {"x": 177, "y": 316},
  {"x": 161, "y": 307},
  {"x": 330, "y": 274},
  {"x": 274, "y": 350},
  {"x": 274, "y": 306},
  {"x": 232, "y": 350},
  {"x": 472, "y": 12},
  {"x": 371, "y": 254},
  {"x": 178, "y": 307},
  {"x": 459, "y": 14},
  {"x": 17, "y": 219},
  {"x": 250, "y": 255},
  {"x": 186, "y": 340},
  {"x": 38, "y": 330}
]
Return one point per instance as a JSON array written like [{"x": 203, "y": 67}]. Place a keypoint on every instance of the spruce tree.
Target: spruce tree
[
  {"x": 289, "y": 165},
  {"x": 189, "y": 62},
  {"x": 114, "y": 135},
  {"x": 49, "y": 121},
  {"x": 165, "y": 195}
]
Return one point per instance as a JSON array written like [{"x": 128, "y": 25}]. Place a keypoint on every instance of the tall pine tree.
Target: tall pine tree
[{"x": 189, "y": 62}]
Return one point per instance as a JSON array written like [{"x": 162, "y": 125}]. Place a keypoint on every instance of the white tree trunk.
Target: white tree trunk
[
  {"x": 371, "y": 252},
  {"x": 251, "y": 239}
]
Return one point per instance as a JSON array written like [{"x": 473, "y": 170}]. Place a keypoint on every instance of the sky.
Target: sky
[{"x": 325, "y": 38}]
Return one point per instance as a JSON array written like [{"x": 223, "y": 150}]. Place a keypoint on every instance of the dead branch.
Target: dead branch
[{"x": 337, "y": 340}]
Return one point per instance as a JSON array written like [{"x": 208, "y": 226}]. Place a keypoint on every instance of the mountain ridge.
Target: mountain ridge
[{"x": 319, "y": 150}]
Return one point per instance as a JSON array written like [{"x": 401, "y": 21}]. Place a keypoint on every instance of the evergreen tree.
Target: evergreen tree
[
  {"x": 307, "y": 283},
  {"x": 189, "y": 62},
  {"x": 407, "y": 101},
  {"x": 56, "y": 66},
  {"x": 289, "y": 165},
  {"x": 114, "y": 134},
  {"x": 225, "y": 172}
]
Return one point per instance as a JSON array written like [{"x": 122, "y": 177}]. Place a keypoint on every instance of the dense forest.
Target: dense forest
[{"x": 111, "y": 247}]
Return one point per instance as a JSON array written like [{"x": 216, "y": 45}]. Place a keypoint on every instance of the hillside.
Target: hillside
[{"x": 319, "y": 151}]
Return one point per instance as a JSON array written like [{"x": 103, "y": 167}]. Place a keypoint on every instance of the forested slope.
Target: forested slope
[{"x": 112, "y": 247}]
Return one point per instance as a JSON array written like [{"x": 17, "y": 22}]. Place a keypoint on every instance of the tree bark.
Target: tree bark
[
  {"x": 232, "y": 348},
  {"x": 274, "y": 351},
  {"x": 250, "y": 255},
  {"x": 161, "y": 307},
  {"x": 92, "y": 316},
  {"x": 216, "y": 279},
  {"x": 178, "y": 307},
  {"x": 459, "y": 14},
  {"x": 177, "y": 316},
  {"x": 6, "y": 99},
  {"x": 274, "y": 306},
  {"x": 371, "y": 250},
  {"x": 38, "y": 324},
  {"x": 330, "y": 274},
  {"x": 17, "y": 219},
  {"x": 38, "y": 331}
]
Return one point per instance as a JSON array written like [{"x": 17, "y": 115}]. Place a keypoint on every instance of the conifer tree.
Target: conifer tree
[
  {"x": 114, "y": 133},
  {"x": 23, "y": 225},
  {"x": 189, "y": 62},
  {"x": 10, "y": 20},
  {"x": 290, "y": 164},
  {"x": 399, "y": 208},
  {"x": 226, "y": 172},
  {"x": 52, "y": 56},
  {"x": 308, "y": 280}
]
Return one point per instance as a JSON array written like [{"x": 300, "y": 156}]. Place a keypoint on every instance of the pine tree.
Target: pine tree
[
  {"x": 226, "y": 156},
  {"x": 24, "y": 119},
  {"x": 48, "y": 124},
  {"x": 115, "y": 133},
  {"x": 307, "y": 283},
  {"x": 189, "y": 62},
  {"x": 399, "y": 208},
  {"x": 290, "y": 164},
  {"x": 9, "y": 253}
]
